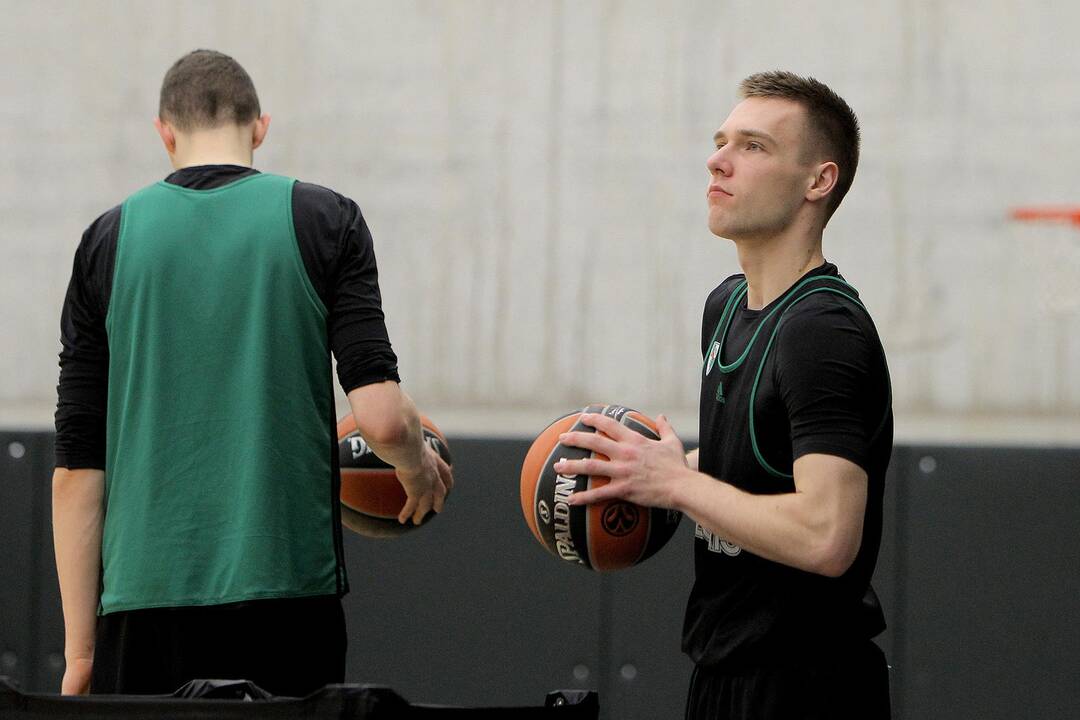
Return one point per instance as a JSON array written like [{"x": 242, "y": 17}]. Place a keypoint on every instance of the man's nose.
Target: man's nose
[{"x": 718, "y": 163}]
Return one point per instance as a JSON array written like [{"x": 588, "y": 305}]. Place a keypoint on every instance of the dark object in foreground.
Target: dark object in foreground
[{"x": 221, "y": 699}]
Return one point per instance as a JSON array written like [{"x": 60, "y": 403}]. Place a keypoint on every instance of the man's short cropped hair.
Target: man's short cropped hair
[
  {"x": 206, "y": 89},
  {"x": 832, "y": 128}
]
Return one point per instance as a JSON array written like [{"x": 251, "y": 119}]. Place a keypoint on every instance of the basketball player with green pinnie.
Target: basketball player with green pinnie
[
  {"x": 795, "y": 431},
  {"x": 196, "y": 453}
]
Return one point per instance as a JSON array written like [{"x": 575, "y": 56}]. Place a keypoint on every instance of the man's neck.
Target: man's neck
[
  {"x": 772, "y": 266},
  {"x": 196, "y": 161},
  {"x": 221, "y": 146}
]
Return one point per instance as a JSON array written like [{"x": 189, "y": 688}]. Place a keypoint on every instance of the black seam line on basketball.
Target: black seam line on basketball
[
  {"x": 550, "y": 476},
  {"x": 536, "y": 496},
  {"x": 538, "y": 487},
  {"x": 637, "y": 427},
  {"x": 588, "y": 516},
  {"x": 581, "y": 512},
  {"x": 642, "y": 429},
  {"x": 590, "y": 521},
  {"x": 588, "y": 528},
  {"x": 547, "y": 531},
  {"x": 590, "y": 410},
  {"x": 585, "y": 553}
]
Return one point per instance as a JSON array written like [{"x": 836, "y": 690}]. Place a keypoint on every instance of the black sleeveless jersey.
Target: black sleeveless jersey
[{"x": 806, "y": 374}]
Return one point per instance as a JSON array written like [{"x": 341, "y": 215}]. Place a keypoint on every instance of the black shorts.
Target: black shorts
[
  {"x": 848, "y": 686},
  {"x": 287, "y": 647}
]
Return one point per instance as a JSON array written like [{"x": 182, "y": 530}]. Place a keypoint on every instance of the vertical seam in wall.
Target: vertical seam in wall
[
  {"x": 35, "y": 455},
  {"x": 604, "y": 670},
  {"x": 551, "y": 234},
  {"x": 899, "y": 661}
]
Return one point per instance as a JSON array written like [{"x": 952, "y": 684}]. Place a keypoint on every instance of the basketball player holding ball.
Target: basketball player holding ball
[
  {"x": 795, "y": 431},
  {"x": 196, "y": 451}
]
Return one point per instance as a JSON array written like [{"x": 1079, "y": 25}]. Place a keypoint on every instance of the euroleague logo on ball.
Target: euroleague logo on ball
[
  {"x": 544, "y": 511},
  {"x": 620, "y": 518}
]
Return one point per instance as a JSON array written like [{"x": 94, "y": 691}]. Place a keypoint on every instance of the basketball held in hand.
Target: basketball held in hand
[
  {"x": 608, "y": 535},
  {"x": 371, "y": 495}
]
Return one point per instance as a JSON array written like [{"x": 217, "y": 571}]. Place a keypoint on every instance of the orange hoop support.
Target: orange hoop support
[{"x": 1047, "y": 213}]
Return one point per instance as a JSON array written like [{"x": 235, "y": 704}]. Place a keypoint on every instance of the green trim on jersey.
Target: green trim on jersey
[
  {"x": 786, "y": 303},
  {"x": 725, "y": 322},
  {"x": 761, "y": 366},
  {"x": 219, "y": 480}
]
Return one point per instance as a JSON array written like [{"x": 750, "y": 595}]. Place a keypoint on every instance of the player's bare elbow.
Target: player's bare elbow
[
  {"x": 833, "y": 494},
  {"x": 387, "y": 431},
  {"x": 835, "y": 554},
  {"x": 384, "y": 414}
]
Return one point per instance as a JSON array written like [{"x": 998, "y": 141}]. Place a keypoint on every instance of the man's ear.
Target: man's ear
[
  {"x": 168, "y": 137},
  {"x": 824, "y": 181},
  {"x": 258, "y": 134}
]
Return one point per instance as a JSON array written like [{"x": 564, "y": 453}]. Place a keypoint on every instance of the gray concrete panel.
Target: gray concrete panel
[{"x": 533, "y": 174}]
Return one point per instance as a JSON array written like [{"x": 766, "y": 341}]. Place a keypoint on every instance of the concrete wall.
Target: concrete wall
[{"x": 533, "y": 173}]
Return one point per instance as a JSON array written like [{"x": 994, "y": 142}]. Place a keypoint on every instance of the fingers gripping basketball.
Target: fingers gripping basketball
[
  {"x": 371, "y": 494},
  {"x": 607, "y": 535}
]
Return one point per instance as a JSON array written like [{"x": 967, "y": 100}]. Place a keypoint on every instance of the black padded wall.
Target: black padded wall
[
  {"x": 978, "y": 574},
  {"x": 31, "y": 626}
]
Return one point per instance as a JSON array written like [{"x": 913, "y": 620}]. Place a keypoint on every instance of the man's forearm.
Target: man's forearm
[
  {"x": 816, "y": 528},
  {"x": 389, "y": 422},
  {"x": 403, "y": 448},
  {"x": 762, "y": 524},
  {"x": 78, "y": 516}
]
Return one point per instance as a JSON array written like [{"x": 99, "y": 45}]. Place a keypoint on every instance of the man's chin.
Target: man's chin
[{"x": 723, "y": 230}]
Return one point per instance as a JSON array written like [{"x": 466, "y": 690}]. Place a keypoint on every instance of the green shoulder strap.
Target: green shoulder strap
[{"x": 789, "y": 301}]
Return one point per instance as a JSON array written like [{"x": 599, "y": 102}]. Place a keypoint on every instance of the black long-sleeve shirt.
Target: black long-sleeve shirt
[{"x": 337, "y": 251}]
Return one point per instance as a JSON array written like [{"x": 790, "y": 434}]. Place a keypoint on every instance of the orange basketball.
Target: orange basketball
[
  {"x": 608, "y": 535},
  {"x": 371, "y": 495}
]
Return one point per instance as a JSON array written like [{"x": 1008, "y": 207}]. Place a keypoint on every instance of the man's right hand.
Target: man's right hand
[
  {"x": 387, "y": 418},
  {"x": 426, "y": 486},
  {"x": 77, "y": 677},
  {"x": 78, "y": 517}
]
